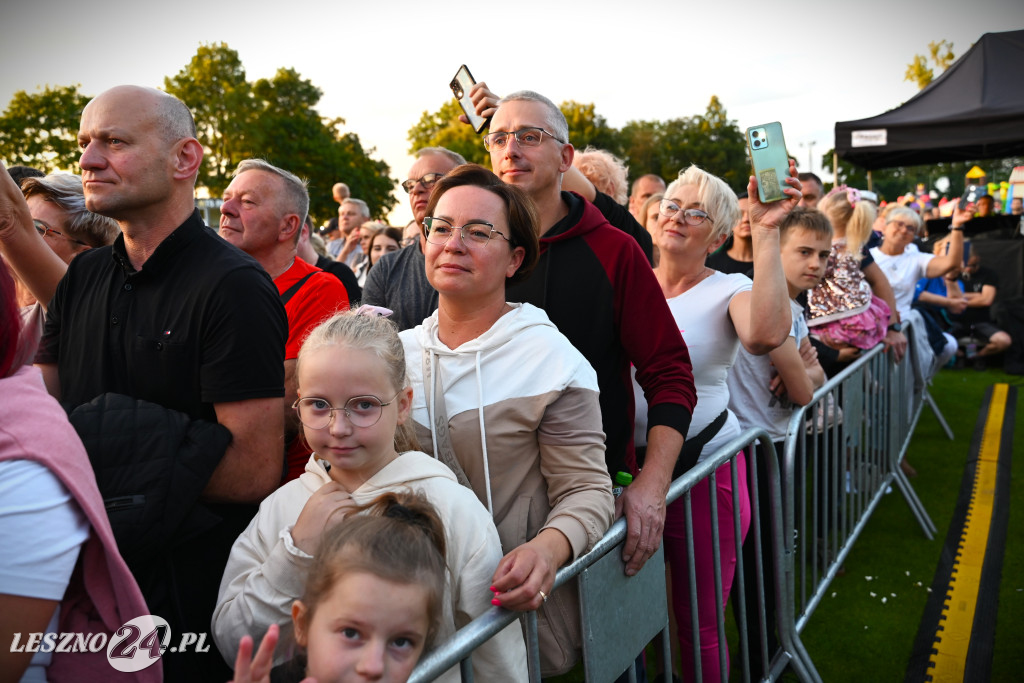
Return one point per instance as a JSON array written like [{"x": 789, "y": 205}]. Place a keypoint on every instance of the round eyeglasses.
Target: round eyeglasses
[
  {"x": 694, "y": 217},
  {"x": 361, "y": 411},
  {"x": 526, "y": 137},
  {"x": 427, "y": 181},
  {"x": 45, "y": 230},
  {"x": 439, "y": 231}
]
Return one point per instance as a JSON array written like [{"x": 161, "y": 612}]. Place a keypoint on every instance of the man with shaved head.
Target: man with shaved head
[{"x": 171, "y": 321}]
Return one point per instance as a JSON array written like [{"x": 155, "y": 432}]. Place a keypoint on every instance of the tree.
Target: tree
[
  {"x": 213, "y": 86},
  {"x": 442, "y": 128},
  {"x": 587, "y": 127},
  {"x": 274, "y": 119},
  {"x": 41, "y": 129},
  {"x": 711, "y": 141},
  {"x": 941, "y": 56},
  {"x": 292, "y": 135}
]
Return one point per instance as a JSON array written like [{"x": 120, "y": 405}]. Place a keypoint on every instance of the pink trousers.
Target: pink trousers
[{"x": 679, "y": 565}]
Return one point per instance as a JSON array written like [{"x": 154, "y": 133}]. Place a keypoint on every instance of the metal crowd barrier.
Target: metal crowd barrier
[
  {"x": 842, "y": 454},
  {"x": 620, "y": 615}
]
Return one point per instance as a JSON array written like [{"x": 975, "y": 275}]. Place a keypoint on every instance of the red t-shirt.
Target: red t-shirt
[{"x": 320, "y": 297}]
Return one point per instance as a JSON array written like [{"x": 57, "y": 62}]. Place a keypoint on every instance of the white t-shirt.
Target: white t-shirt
[
  {"x": 702, "y": 314},
  {"x": 903, "y": 272},
  {"x": 41, "y": 531},
  {"x": 749, "y": 397}
]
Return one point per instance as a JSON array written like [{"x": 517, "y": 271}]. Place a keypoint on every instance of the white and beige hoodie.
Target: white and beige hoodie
[
  {"x": 525, "y": 424},
  {"x": 265, "y": 572}
]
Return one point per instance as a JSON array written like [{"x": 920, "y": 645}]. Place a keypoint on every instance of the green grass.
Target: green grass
[{"x": 854, "y": 635}]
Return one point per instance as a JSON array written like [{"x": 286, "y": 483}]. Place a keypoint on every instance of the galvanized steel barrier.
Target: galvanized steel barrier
[{"x": 841, "y": 456}]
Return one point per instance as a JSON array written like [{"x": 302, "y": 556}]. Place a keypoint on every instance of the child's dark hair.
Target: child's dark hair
[
  {"x": 399, "y": 539},
  {"x": 808, "y": 219}
]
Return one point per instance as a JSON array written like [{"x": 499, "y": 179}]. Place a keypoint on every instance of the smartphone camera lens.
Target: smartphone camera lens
[{"x": 755, "y": 134}]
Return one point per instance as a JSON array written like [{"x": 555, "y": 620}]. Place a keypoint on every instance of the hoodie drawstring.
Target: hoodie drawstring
[{"x": 483, "y": 433}]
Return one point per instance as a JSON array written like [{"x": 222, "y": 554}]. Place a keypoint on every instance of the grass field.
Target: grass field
[{"x": 854, "y": 636}]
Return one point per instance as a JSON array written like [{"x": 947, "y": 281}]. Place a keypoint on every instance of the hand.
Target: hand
[
  {"x": 777, "y": 387},
  {"x": 327, "y": 507},
  {"x": 961, "y": 216},
  {"x": 771, "y": 215},
  {"x": 956, "y": 306},
  {"x": 14, "y": 214},
  {"x": 485, "y": 101},
  {"x": 643, "y": 504},
  {"x": 249, "y": 669},
  {"x": 808, "y": 354},
  {"x": 896, "y": 341},
  {"x": 529, "y": 569},
  {"x": 848, "y": 354}
]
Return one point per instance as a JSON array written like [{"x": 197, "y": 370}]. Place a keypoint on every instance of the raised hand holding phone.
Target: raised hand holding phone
[{"x": 462, "y": 87}]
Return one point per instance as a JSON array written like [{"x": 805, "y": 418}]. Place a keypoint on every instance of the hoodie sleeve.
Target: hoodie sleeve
[
  {"x": 572, "y": 462},
  {"x": 503, "y": 657},
  {"x": 265, "y": 573},
  {"x": 653, "y": 344}
]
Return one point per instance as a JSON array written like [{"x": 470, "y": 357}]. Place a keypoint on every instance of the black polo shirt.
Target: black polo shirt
[{"x": 201, "y": 323}]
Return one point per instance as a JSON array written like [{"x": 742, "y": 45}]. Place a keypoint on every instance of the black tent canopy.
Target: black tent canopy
[{"x": 974, "y": 110}]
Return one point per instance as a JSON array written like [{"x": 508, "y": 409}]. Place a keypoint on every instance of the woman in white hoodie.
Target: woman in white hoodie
[
  {"x": 503, "y": 398},
  {"x": 353, "y": 404}
]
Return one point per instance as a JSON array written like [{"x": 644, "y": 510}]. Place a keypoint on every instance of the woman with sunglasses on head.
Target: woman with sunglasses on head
[
  {"x": 715, "y": 312},
  {"x": 503, "y": 398}
]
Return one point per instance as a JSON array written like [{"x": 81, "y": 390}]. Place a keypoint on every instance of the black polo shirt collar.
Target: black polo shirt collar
[{"x": 166, "y": 252}]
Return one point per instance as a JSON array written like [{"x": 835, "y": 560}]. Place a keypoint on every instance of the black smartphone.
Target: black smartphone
[
  {"x": 971, "y": 195},
  {"x": 461, "y": 85}
]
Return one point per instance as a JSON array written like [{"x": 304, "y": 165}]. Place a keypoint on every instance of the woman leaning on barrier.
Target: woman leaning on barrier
[
  {"x": 503, "y": 398},
  {"x": 716, "y": 313}
]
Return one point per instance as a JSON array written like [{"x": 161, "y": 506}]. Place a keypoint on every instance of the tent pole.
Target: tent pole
[
  {"x": 869, "y": 181},
  {"x": 835, "y": 170}
]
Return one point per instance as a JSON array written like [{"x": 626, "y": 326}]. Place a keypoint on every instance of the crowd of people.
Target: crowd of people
[{"x": 346, "y": 443}]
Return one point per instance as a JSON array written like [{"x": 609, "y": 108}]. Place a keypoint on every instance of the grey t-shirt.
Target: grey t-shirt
[{"x": 399, "y": 281}]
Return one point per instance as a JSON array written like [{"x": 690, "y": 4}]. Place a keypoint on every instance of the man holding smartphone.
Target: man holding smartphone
[{"x": 597, "y": 286}]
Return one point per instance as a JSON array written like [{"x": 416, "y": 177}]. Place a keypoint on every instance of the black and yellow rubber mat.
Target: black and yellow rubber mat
[{"x": 957, "y": 633}]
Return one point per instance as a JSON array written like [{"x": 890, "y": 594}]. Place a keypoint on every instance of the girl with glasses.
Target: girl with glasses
[{"x": 354, "y": 402}]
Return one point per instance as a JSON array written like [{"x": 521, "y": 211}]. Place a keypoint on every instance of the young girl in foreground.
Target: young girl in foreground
[
  {"x": 373, "y": 599},
  {"x": 353, "y": 396}
]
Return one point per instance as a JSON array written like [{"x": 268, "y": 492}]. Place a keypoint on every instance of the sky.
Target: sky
[{"x": 381, "y": 64}]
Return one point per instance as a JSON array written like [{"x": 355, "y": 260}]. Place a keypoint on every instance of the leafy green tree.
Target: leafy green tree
[
  {"x": 274, "y": 119},
  {"x": 922, "y": 69},
  {"x": 587, "y": 127},
  {"x": 41, "y": 129},
  {"x": 292, "y": 135},
  {"x": 442, "y": 128},
  {"x": 640, "y": 146},
  {"x": 214, "y": 87}
]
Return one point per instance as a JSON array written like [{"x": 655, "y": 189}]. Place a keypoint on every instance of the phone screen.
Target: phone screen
[{"x": 461, "y": 85}]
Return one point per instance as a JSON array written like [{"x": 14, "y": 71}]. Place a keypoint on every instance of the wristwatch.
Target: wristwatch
[{"x": 897, "y": 326}]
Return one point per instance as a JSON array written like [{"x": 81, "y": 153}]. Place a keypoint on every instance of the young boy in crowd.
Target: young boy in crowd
[{"x": 764, "y": 391}]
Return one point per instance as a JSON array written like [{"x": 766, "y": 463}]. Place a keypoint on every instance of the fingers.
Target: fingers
[
  {"x": 648, "y": 540},
  {"x": 243, "y": 661},
  {"x": 519, "y": 579},
  {"x": 264, "y": 660}
]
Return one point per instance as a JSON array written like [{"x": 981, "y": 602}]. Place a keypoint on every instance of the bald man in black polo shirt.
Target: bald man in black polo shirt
[{"x": 173, "y": 316}]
